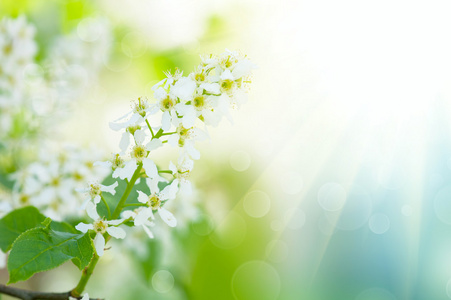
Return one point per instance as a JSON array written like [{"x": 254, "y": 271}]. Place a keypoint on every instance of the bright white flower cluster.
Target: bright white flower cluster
[
  {"x": 50, "y": 183},
  {"x": 186, "y": 105}
]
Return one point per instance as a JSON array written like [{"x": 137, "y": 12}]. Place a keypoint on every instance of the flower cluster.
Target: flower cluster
[
  {"x": 50, "y": 183},
  {"x": 186, "y": 105}
]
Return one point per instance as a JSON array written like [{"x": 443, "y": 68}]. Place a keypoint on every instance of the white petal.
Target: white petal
[
  {"x": 199, "y": 135},
  {"x": 97, "y": 199},
  {"x": 154, "y": 144},
  {"x": 167, "y": 217},
  {"x": 142, "y": 197},
  {"x": 166, "y": 121},
  {"x": 170, "y": 191},
  {"x": 242, "y": 68},
  {"x": 159, "y": 92},
  {"x": 109, "y": 188},
  {"x": 184, "y": 88},
  {"x": 147, "y": 230},
  {"x": 211, "y": 88},
  {"x": 125, "y": 141},
  {"x": 152, "y": 183},
  {"x": 84, "y": 227},
  {"x": 85, "y": 297},
  {"x": 99, "y": 244},
  {"x": 173, "y": 140},
  {"x": 127, "y": 171},
  {"x": 139, "y": 136},
  {"x": 143, "y": 215},
  {"x": 172, "y": 167},
  {"x": 83, "y": 206},
  {"x": 83, "y": 190},
  {"x": 115, "y": 222},
  {"x": 127, "y": 214},
  {"x": 227, "y": 75},
  {"x": 185, "y": 187},
  {"x": 92, "y": 211},
  {"x": 189, "y": 118},
  {"x": 123, "y": 117},
  {"x": 116, "y": 232},
  {"x": 117, "y": 126},
  {"x": 150, "y": 168},
  {"x": 193, "y": 152}
]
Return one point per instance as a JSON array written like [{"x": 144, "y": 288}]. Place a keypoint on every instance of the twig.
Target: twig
[{"x": 32, "y": 295}]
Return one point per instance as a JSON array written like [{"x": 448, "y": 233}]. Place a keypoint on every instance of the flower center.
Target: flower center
[
  {"x": 199, "y": 77},
  {"x": 132, "y": 129},
  {"x": 167, "y": 103},
  {"x": 117, "y": 162},
  {"x": 140, "y": 106},
  {"x": 139, "y": 152},
  {"x": 226, "y": 85},
  {"x": 100, "y": 226},
  {"x": 95, "y": 190},
  {"x": 154, "y": 202},
  {"x": 199, "y": 102}
]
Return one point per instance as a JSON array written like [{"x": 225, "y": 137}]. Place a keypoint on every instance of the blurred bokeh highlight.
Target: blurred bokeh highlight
[{"x": 332, "y": 183}]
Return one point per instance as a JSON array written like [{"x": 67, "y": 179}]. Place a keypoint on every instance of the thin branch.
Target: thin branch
[{"x": 32, "y": 295}]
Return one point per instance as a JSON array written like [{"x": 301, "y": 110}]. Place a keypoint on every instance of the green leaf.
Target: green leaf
[
  {"x": 41, "y": 249},
  {"x": 13, "y": 224},
  {"x": 20, "y": 220}
]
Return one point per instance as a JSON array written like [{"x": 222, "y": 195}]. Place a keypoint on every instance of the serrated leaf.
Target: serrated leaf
[
  {"x": 42, "y": 249},
  {"x": 22, "y": 219},
  {"x": 16, "y": 222}
]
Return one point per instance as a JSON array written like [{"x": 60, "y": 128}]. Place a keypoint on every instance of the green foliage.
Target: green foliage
[
  {"x": 38, "y": 244},
  {"x": 20, "y": 220},
  {"x": 17, "y": 222},
  {"x": 148, "y": 263},
  {"x": 41, "y": 249}
]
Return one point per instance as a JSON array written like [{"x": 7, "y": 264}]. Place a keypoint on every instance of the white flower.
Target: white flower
[
  {"x": 139, "y": 154},
  {"x": 166, "y": 103},
  {"x": 141, "y": 217},
  {"x": 183, "y": 89},
  {"x": 181, "y": 172},
  {"x": 154, "y": 201},
  {"x": 101, "y": 226},
  {"x": 95, "y": 190},
  {"x": 186, "y": 138}
]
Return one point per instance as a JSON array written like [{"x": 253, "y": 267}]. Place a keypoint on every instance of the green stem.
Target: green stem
[
  {"x": 127, "y": 192},
  {"x": 107, "y": 206},
  {"x": 150, "y": 128},
  {"x": 168, "y": 133},
  {"x": 134, "y": 204},
  {"x": 165, "y": 171},
  {"x": 85, "y": 276}
]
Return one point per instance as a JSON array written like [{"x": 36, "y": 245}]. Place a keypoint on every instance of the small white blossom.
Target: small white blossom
[
  {"x": 141, "y": 217},
  {"x": 95, "y": 190},
  {"x": 101, "y": 227},
  {"x": 155, "y": 201}
]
